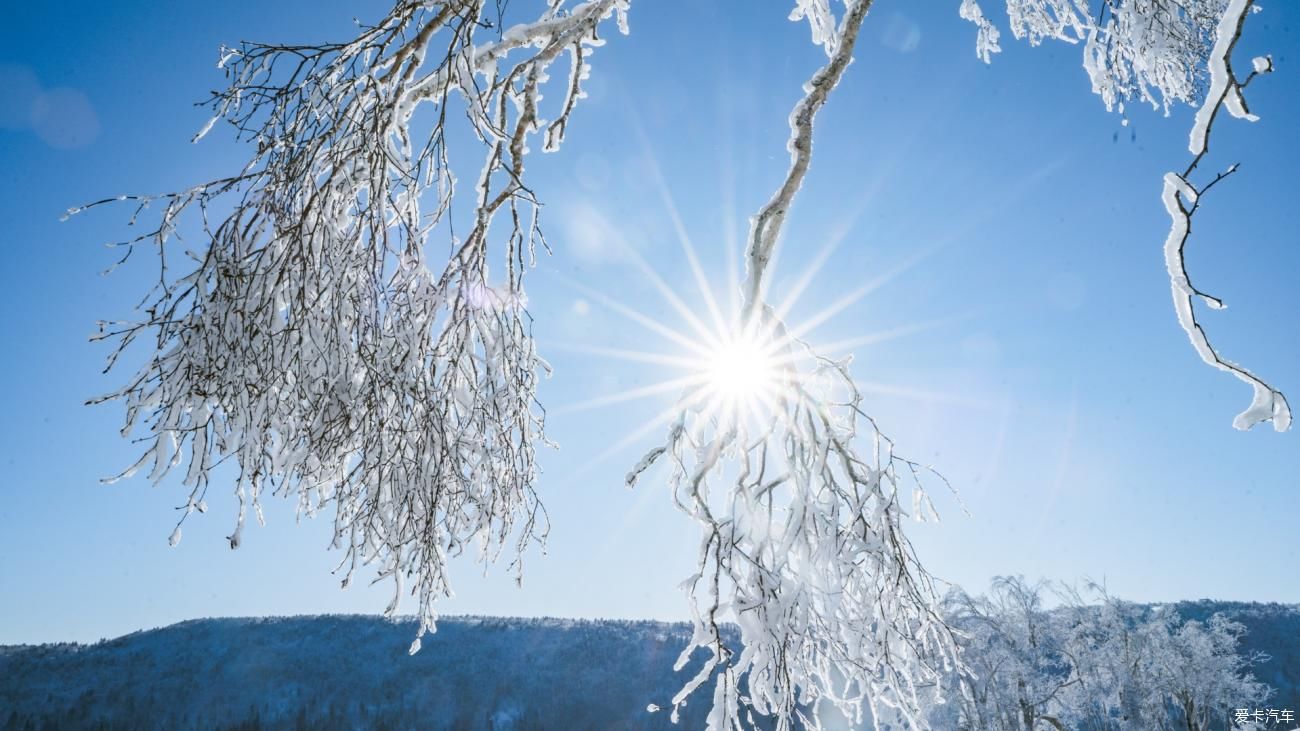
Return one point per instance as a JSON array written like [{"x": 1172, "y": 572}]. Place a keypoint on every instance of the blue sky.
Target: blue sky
[{"x": 1044, "y": 372}]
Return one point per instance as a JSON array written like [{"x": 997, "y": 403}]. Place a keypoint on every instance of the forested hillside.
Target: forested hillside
[
  {"x": 336, "y": 672},
  {"x": 333, "y": 672}
]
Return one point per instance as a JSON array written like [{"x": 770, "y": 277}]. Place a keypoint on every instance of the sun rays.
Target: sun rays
[
  {"x": 708, "y": 358},
  {"x": 734, "y": 371}
]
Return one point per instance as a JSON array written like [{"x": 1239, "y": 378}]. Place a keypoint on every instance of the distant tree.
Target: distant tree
[
  {"x": 312, "y": 341},
  {"x": 1019, "y": 666},
  {"x": 1147, "y": 667},
  {"x": 1202, "y": 672},
  {"x": 1104, "y": 665}
]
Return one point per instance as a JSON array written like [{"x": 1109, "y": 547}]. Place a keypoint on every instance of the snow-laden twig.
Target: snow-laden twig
[
  {"x": 766, "y": 226},
  {"x": 1182, "y": 200}
]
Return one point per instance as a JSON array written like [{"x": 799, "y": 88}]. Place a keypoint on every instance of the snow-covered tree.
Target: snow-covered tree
[
  {"x": 1019, "y": 666},
  {"x": 316, "y": 340},
  {"x": 1143, "y": 667},
  {"x": 1203, "y": 676},
  {"x": 1095, "y": 662}
]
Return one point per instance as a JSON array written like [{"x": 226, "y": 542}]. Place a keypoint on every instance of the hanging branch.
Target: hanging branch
[
  {"x": 802, "y": 541},
  {"x": 311, "y": 343},
  {"x": 1182, "y": 200}
]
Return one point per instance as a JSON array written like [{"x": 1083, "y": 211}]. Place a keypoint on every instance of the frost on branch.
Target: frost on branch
[
  {"x": 1180, "y": 51},
  {"x": 1182, "y": 199},
  {"x": 986, "y": 40},
  {"x": 1145, "y": 50},
  {"x": 801, "y": 513},
  {"x": 803, "y": 547},
  {"x": 312, "y": 342}
]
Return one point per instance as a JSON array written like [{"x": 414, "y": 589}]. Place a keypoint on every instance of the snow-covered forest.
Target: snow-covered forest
[{"x": 337, "y": 672}]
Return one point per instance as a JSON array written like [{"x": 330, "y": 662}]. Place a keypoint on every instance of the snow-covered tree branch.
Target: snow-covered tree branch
[
  {"x": 1161, "y": 52},
  {"x": 1182, "y": 199},
  {"x": 312, "y": 341},
  {"x": 802, "y": 527}
]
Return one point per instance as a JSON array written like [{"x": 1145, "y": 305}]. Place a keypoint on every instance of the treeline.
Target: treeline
[
  {"x": 1099, "y": 663},
  {"x": 336, "y": 673}
]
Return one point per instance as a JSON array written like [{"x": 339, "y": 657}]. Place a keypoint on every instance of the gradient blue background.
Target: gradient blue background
[{"x": 1051, "y": 384}]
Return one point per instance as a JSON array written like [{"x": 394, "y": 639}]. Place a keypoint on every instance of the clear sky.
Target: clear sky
[{"x": 1035, "y": 356}]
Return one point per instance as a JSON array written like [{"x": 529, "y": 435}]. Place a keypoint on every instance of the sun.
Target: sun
[{"x": 742, "y": 371}]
